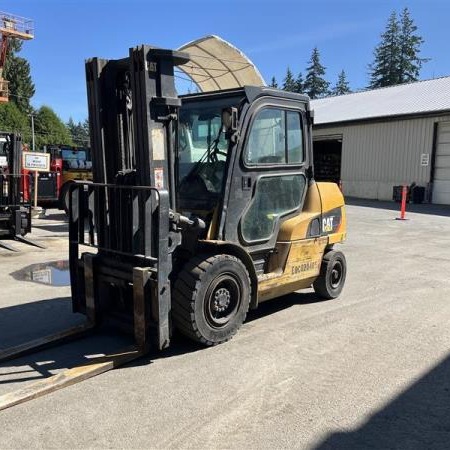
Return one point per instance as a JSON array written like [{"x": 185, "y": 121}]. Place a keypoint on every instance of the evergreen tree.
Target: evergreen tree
[
  {"x": 289, "y": 83},
  {"x": 396, "y": 57},
  {"x": 409, "y": 61},
  {"x": 383, "y": 71},
  {"x": 17, "y": 72},
  {"x": 79, "y": 132},
  {"x": 299, "y": 84},
  {"x": 273, "y": 83},
  {"x": 315, "y": 85},
  {"x": 50, "y": 129},
  {"x": 87, "y": 132},
  {"x": 342, "y": 87}
]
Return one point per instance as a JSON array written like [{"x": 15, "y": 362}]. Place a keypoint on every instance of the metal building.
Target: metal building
[{"x": 374, "y": 140}]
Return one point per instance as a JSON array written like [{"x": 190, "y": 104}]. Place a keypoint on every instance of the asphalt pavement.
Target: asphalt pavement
[{"x": 370, "y": 369}]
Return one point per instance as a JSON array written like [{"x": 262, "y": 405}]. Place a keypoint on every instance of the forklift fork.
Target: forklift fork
[
  {"x": 16, "y": 228},
  {"x": 8, "y": 247},
  {"x": 97, "y": 365}
]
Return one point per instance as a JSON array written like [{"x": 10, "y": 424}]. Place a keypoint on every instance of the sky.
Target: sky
[{"x": 274, "y": 34}]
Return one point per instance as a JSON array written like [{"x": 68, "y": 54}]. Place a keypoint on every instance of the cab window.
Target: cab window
[{"x": 275, "y": 137}]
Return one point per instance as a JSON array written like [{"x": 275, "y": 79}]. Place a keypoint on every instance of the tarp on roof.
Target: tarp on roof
[{"x": 216, "y": 64}]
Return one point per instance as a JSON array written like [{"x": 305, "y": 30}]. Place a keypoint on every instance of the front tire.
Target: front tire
[
  {"x": 64, "y": 198},
  {"x": 210, "y": 299},
  {"x": 333, "y": 272}
]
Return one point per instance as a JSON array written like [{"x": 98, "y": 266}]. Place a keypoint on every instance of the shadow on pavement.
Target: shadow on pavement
[
  {"x": 25, "y": 322},
  {"x": 20, "y": 323},
  {"x": 54, "y": 214},
  {"x": 279, "y": 304},
  {"x": 423, "y": 208},
  {"x": 30, "y": 321},
  {"x": 419, "y": 418},
  {"x": 63, "y": 228}
]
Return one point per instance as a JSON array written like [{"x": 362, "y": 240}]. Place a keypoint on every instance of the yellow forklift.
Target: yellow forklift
[{"x": 201, "y": 207}]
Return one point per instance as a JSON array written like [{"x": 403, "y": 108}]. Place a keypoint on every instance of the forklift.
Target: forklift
[
  {"x": 15, "y": 207},
  {"x": 201, "y": 207}
]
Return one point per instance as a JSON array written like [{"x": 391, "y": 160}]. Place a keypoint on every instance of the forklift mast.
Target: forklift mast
[
  {"x": 132, "y": 110},
  {"x": 15, "y": 210},
  {"x": 132, "y": 107}
]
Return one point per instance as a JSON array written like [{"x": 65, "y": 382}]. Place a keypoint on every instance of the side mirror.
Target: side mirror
[{"x": 230, "y": 119}]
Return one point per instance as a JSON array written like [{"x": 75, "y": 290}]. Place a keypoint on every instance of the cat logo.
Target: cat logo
[{"x": 327, "y": 224}]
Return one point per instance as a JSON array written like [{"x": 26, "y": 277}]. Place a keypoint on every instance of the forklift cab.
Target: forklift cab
[{"x": 243, "y": 183}]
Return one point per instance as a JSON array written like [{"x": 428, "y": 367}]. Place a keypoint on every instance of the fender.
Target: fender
[{"x": 235, "y": 250}]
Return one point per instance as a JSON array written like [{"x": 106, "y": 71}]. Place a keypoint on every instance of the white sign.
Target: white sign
[
  {"x": 40, "y": 162},
  {"x": 42, "y": 276},
  {"x": 424, "y": 159},
  {"x": 159, "y": 178}
]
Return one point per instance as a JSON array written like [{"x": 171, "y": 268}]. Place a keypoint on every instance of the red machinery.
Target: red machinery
[
  {"x": 67, "y": 164},
  {"x": 11, "y": 27}
]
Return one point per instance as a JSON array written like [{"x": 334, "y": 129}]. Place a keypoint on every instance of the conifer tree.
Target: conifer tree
[
  {"x": 409, "y": 61},
  {"x": 79, "y": 132},
  {"x": 315, "y": 85},
  {"x": 383, "y": 70},
  {"x": 289, "y": 83},
  {"x": 342, "y": 87},
  {"x": 273, "y": 83},
  {"x": 17, "y": 72},
  {"x": 299, "y": 84},
  {"x": 396, "y": 57}
]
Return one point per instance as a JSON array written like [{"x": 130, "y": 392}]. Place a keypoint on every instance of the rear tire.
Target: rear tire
[
  {"x": 210, "y": 298},
  {"x": 333, "y": 271},
  {"x": 64, "y": 199}
]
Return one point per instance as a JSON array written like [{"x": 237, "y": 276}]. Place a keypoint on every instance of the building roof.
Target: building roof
[
  {"x": 216, "y": 64},
  {"x": 420, "y": 97}
]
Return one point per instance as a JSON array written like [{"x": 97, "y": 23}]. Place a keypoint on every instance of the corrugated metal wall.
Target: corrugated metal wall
[
  {"x": 379, "y": 155},
  {"x": 441, "y": 182}
]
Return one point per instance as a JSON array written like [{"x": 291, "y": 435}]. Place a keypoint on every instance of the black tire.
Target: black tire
[
  {"x": 210, "y": 298},
  {"x": 64, "y": 199},
  {"x": 333, "y": 271}
]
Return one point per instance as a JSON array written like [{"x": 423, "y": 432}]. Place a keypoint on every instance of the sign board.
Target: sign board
[
  {"x": 424, "y": 159},
  {"x": 39, "y": 162},
  {"x": 42, "y": 276}
]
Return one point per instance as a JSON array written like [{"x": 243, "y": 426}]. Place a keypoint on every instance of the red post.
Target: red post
[{"x": 403, "y": 208}]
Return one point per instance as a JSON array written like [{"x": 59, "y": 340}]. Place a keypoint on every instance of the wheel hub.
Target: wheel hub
[
  {"x": 336, "y": 275},
  {"x": 222, "y": 299}
]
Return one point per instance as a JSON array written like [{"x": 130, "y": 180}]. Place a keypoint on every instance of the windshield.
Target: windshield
[
  {"x": 202, "y": 151},
  {"x": 73, "y": 155}
]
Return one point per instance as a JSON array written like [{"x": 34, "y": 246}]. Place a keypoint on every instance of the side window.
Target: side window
[
  {"x": 275, "y": 138},
  {"x": 274, "y": 197},
  {"x": 294, "y": 137},
  {"x": 266, "y": 143}
]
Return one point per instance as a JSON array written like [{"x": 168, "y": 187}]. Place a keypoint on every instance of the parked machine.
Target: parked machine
[
  {"x": 201, "y": 207},
  {"x": 15, "y": 209},
  {"x": 67, "y": 165},
  {"x": 11, "y": 27}
]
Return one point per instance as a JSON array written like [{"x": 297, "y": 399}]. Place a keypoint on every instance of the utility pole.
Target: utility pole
[
  {"x": 32, "y": 132},
  {"x": 36, "y": 173}
]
